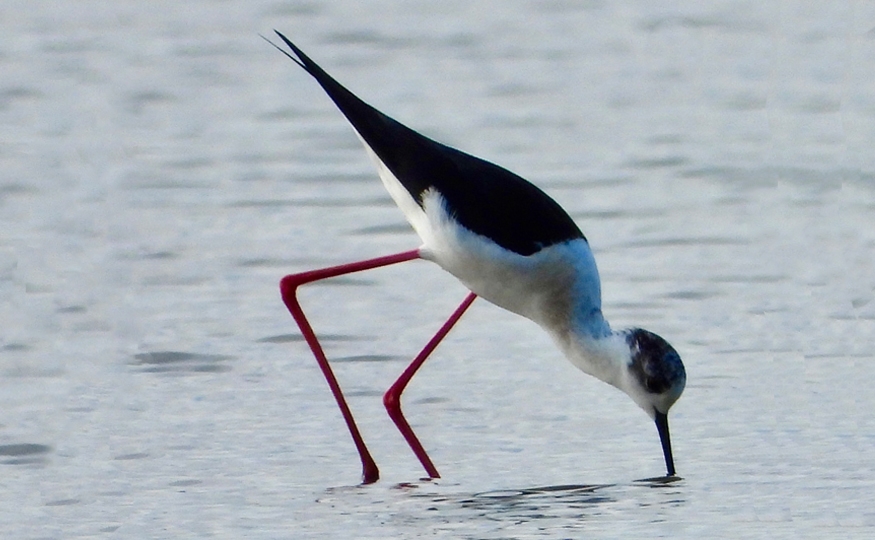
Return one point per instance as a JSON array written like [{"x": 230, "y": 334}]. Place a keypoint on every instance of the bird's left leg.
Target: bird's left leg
[{"x": 392, "y": 397}]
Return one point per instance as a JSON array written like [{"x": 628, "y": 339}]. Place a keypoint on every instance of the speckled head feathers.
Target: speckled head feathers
[{"x": 657, "y": 367}]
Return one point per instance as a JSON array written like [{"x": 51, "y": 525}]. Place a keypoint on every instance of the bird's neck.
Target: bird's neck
[{"x": 590, "y": 344}]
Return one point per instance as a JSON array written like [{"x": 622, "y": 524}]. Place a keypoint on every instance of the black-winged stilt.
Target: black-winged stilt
[{"x": 508, "y": 242}]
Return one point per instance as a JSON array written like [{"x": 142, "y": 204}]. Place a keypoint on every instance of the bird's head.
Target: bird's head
[{"x": 656, "y": 379}]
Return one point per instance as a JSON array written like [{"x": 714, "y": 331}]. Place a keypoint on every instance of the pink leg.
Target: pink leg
[
  {"x": 392, "y": 397},
  {"x": 289, "y": 288}
]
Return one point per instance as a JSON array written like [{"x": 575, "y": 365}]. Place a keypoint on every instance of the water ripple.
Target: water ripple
[
  {"x": 358, "y": 358},
  {"x": 298, "y": 338},
  {"x": 181, "y": 362},
  {"x": 688, "y": 241},
  {"x": 24, "y": 453}
]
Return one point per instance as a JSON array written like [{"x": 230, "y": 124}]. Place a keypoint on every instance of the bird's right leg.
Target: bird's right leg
[{"x": 289, "y": 288}]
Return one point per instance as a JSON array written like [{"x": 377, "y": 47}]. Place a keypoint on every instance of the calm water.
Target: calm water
[{"x": 161, "y": 167}]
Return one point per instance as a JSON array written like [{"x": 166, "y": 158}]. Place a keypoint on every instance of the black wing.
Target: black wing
[{"x": 483, "y": 197}]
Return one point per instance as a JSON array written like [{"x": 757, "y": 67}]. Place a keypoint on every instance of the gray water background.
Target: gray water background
[{"x": 161, "y": 167}]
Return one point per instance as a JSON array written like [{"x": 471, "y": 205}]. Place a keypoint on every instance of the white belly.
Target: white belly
[{"x": 546, "y": 287}]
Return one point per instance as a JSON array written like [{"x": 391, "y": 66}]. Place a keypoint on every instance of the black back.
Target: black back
[{"x": 483, "y": 197}]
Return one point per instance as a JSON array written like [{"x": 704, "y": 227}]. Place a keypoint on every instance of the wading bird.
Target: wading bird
[{"x": 509, "y": 243}]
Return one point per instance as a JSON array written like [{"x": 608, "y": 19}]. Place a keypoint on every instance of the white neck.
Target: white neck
[{"x": 591, "y": 345}]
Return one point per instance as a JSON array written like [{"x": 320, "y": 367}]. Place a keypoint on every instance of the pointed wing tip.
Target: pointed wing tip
[
  {"x": 282, "y": 37},
  {"x": 301, "y": 59}
]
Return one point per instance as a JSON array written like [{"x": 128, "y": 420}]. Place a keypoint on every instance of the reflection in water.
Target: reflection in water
[
  {"x": 659, "y": 481},
  {"x": 561, "y": 511},
  {"x": 559, "y": 508},
  {"x": 561, "y": 501},
  {"x": 549, "y": 502}
]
